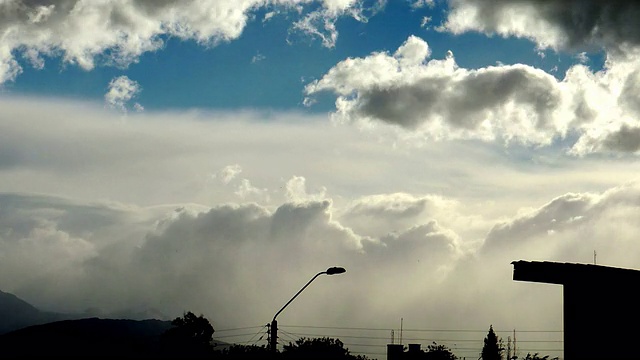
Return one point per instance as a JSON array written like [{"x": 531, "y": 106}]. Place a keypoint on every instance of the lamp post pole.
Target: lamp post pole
[{"x": 274, "y": 323}]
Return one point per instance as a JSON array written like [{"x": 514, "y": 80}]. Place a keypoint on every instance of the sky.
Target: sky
[{"x": 211, "y": 156}]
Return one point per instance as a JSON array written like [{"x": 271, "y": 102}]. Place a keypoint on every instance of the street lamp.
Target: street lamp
[{"x": 274, "y": 324}]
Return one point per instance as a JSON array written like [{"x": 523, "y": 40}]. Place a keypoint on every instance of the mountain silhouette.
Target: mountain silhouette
[
  {"x": 26, "y": 331},
  {"x": 16, "y": 313}
]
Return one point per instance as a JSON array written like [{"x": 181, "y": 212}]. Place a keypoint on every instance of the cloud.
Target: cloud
[
  {"x": 418, "y": 4},
  {"x": 510, "y": 103},
  {"x": 257, "y": 58},
  {"x": 322, "y": 23},
  {"x": 121, "y": 91},
  {"x": 561, "y": 25},
  {"x": 564, "y": 212},
  {"x": 228, "y": 173},
  {"x": 296, "y": 190},
  {"x": 243, "y": 187},
  {"x": 377, "y": 215},
  {"x": 570, "y": 227},
  {"x": 245, "y": 190},
  {"x": 116, "y": 33},
  {"x": 582, "y": 57}
]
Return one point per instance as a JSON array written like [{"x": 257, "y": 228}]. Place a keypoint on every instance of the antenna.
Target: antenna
[
  {"x": 594, "y": 257},
  {"x": 392, "y": 336},
  {"x": 514, "y": 342},
  {"x": 401, "y": 319}
]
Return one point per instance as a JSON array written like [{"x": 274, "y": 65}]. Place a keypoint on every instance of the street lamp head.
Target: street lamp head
[{"x": 335, "y": 270}]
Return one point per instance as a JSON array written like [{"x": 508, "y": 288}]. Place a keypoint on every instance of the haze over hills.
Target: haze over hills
[
  {"x": 22, "y": 325},
  {"x": 16, "y": 313}
]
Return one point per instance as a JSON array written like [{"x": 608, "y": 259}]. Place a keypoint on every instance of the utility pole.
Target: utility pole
[{"x": 273, "y": 340}]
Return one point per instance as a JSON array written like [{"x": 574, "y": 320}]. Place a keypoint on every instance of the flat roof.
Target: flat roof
[{"x": 563, "y": 273}]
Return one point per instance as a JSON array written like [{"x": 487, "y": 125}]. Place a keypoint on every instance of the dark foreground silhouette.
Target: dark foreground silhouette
[
  {"x": 86, "y": 338},
  {"x": 16, "y": 313},
  {"x": 186, "y": 337}
]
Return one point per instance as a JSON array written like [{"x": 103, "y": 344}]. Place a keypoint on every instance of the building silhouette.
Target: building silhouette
[
  {"x": 600, "y": 305},
  {"x": 396, "y": 352}
]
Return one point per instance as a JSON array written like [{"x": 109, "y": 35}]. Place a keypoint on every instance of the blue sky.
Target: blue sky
[{"x": 212, "y": 155}]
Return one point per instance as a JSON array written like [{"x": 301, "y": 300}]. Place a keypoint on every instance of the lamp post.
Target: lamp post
[{"x": 274, "y": 324}]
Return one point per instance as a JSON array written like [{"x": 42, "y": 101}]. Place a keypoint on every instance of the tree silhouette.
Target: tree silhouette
[
  {"x": 492, "y": 349},
  {"x": 190, "y": 336},
  {"x": 248, "y": 352},
  {"x": 538, "y": 357},
  {"x": 318, "y": 348},
  {"x": 438, "y": 352}
]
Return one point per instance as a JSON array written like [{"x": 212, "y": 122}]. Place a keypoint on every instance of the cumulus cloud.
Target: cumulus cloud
[
  {"x": 121, "y": 91},
  {"x": 571, "y": 24},
  {"x": 116, "y": 33},
  {"x": 218, "y": 260},
  {"x": 511, "y": 103},
  {"x": 570, "y": 227},
  {"x": 182, "y": 252}
]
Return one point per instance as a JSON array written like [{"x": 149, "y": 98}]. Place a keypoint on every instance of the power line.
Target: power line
[
  {"x": 375, "y": 341},
  {"x": 241, "y": 328},
  {"x": 350, "y": 336},
  {"x": 423, "y": 330},
  {"x": 417, "y": 339},
  {"x": 262, "y": 330},
  {"x": 235, "y": 335},
  {"x": 288, "y": 335}
]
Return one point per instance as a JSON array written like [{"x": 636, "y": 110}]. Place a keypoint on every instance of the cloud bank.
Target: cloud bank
[
  {"x": 221, "y": 217},
  {"x": 187, "y": 221},
  {"x": 237, "y": 263}
]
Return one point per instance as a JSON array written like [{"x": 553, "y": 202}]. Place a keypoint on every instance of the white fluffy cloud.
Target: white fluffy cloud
[
  {"x": 121, "y": 91},
  {"x": 511, "y": 103},
  {"x": 322, "y": 23},
  {"x": 115, "y": 32}
]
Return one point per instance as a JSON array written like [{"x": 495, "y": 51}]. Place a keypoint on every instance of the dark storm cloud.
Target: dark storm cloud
[
  {"x": 625, "y": 139},
  {"x": 464, "y": 102},
  {"x": 571, "y": 24}
]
